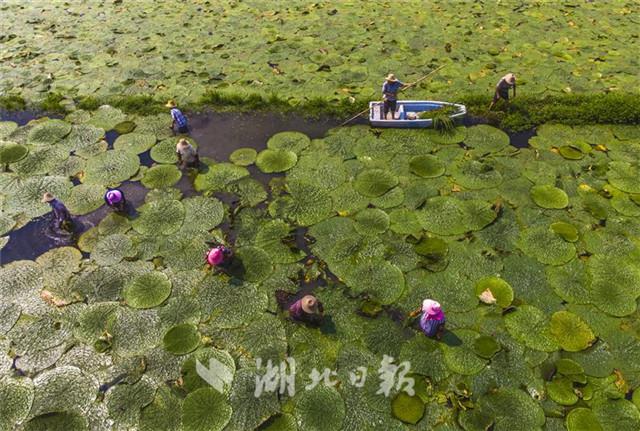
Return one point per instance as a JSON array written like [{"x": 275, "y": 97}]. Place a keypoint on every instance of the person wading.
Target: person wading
[
  {"x": 114, "y": 198},
  {"x": 187, "y": 155},
  {"x": 506, "y": 83},
  {"x": 306, "y": 310},
  {"x": 60, "y": 212},
  {"x": 179, "y": 124},
  {"x": 390, "y": 89}
]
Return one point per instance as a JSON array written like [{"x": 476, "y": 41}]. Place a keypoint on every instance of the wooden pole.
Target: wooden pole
[{"x": 403, "y": 88}]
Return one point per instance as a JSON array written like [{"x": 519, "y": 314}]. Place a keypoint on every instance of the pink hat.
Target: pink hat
[
  {"x": 215, "y": 256},
  {"x": 114, "y": 196},
  {"x": 431, "y": 307}
]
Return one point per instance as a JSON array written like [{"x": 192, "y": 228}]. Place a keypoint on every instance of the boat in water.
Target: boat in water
[{"x": 411, "y": 113}]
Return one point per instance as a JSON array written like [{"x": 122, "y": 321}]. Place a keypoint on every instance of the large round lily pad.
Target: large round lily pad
[
  {"x": 500, "y": 290},
  {"x": 134, "y": 142},
  {"x": 11, "y": 152},
  {"x": 445, "y": 215},
  {"x": 243, "y": 156},
  {"x": 426, "y": 166},
  {"x": 205, "y": 410},
  {"x": 290, "y": 141},
  {"x": 111, "y": 167},
  {"x": 319, "y": 409},
  {"x": 270, "y": 161},
  {"x": 407, "y": 408},
  {"x": 475, "y": 175},
  {"x": 571, "y": 332},
  {"x": 161, "y": 176},
  {"x": 544, "y": 245},
  {"x": 48, "y": 132},
  {"x": 547, "y": 196},
  {"x": 182, "y": 339},
  {"x": 163, "y": 217},
  {"x": 16, "y": 397},
  {"x": 371, "y": 221},
  {"x": 374, "y": 182},
  {"x": 530, "y": 326},
  {"x": 147, "y": 290}
]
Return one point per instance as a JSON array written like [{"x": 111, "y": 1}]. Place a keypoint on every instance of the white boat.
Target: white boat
[{"x": 408, "y": 113}]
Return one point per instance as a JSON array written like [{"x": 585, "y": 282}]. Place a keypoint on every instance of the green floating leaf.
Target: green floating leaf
[
  {"x": 136, "y": 143},
  {"x": 161, "y": 177},
  {"x": 125, "y": 401},
  {"x": 16, "y": 397},
  {"x": 435, "y": 251},
  {"x": 48, "y": 132},
  {"x": 567, "y": 231},
  {"x": 371, "y": 221},
  {"x": 11, "y": 152},
  {"x": 243, "y": 156},
  {"x": 459, "y": 355},
  {"x": 614, "y": 284},
  {"x": 147, "y": 290},
  {"x": 570, "y": 152},
  {"x": 530, "y": 326},
  {"x": 163, "y": 414},
  {"x": 85, "y": 198},
  {"x": 404, "y": 222},
  {"x": 190, "y": 376},
  {"x": 500, "y": 289},
  {"x": 7, "y": 128},
  {"x": 486, "y": 347},
  {"x": 218, "y": 176},
  {"x": 319, "y": 409},
  {"x": 409, "y": 409},
  {"x": 545, "y": 246},
  {"x": 256, "y": 264},
  {"x": 547, "y": 196},
  {"x": 205, "y": 410},
  {"x": 384, "y": 281},
  {"x": 107, "y": 117},
  {"x": 270, "y": 161},
  {"x": 445, "y": 215},
  {"x": 624, "y": 176},
  {"x": 124, "y": 127},
  {"x": 62, "y": 421},
  {"x": 160, "y": 217},
  {"x": 182, "y": 339},
  {"x": 374, "y": 182},
  {"x": 289, "y": 141},
  {"x": 486, "y": 139},
  {"x": 202, "y": 213},
  {"x": 474, "y": 175},
  {"x": 426, "y": 166},
  {"x": 571, "y": 332},
  {"x": 309, "y": 205},
  {"x": 111, "y": 167},
  {"x": 62, "y": 389},
  {"x": 582, "y": 419},
  {"x": 509, "y": 409},
  {"x": 111, "y": 249}
]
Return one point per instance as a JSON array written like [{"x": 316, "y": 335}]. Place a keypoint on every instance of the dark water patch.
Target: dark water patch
[
  {"x": 23, "y": 117},
  {"x": 145, "y": 159},
  {"x": 111, "y": 137},
  {"x": 521, "y": 139},
  {"x": 220, "y": 133}
]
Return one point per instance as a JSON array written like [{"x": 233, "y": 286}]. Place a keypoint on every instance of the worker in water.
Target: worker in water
[
  {"x": 179, "y": 124},
  {"x": 432, "y": 319},
  {"x": 219, "y": 256},
  {"x": 506, "y": 83},
  {"x": 304, "y": 310},
  {"x": 114, "y": 198},
  {"x": 187, "y": 155},
  {"x": 60, "y": 212},
  {"x": 390, "y": 89}
]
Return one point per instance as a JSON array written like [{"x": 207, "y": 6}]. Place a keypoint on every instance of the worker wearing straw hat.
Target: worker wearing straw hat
[
  {"x": 506, "y": 83},
  {"x": 187, "y": 155},
  {"x": 179, "y": 120},
  {"x": 60, "y": 212},
  {"x": 390, "y": 89},
  {"x": 304, "y": 310}
]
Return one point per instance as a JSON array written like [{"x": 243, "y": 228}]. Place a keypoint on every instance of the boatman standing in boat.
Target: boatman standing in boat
[
  {"x": 390, "y": 89},
  {"x": 502, "y": 89}
]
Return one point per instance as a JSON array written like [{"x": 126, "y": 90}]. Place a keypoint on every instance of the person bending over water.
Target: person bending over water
[
  {"x": 114, "y": 198},
  {"x": 187, "y": 155},
  {"x": 61, "y": 213}
]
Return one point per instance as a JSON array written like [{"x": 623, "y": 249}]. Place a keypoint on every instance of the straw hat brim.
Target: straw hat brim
[{"x": 171, "y": 104}]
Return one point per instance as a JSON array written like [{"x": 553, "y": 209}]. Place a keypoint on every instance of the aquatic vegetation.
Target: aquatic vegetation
[{"x": 531, "y": 253}]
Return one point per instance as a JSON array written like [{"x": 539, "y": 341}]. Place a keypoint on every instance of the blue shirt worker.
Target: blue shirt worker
[
  {"x": 179, "y": 120},
  {"x": 390, "y": 89},
  {"x": 60, "y": 212}
]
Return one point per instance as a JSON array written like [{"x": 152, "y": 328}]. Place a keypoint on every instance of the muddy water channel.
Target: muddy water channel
[{"x": 217, "y": 134}]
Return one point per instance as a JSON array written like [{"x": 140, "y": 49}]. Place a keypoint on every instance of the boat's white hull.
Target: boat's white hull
[{"x": 416, "y": 106}]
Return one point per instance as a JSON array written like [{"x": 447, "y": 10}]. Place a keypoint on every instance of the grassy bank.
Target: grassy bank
[{"x": 522, "y": 113}]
